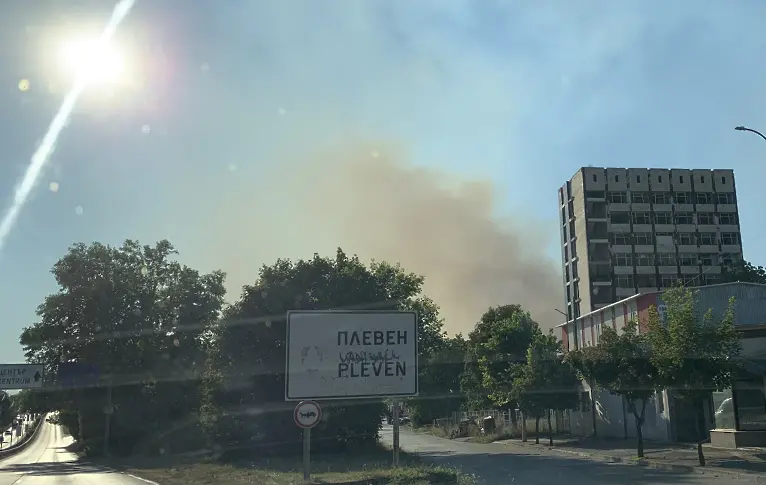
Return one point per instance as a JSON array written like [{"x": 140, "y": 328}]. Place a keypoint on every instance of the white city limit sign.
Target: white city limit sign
[
  {"x": 21, "y": 376},
  {"x": 351, "y": 354}
]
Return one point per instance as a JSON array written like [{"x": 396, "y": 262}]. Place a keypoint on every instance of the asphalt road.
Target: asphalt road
[
  {"x": 498, "y": 464},
  {"x": 46, "y": 462}
]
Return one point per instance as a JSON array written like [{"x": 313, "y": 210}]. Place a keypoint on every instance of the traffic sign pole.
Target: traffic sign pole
[
  {"x": 307, "y": 414},
  {"x": 306, "y": 455},
  {"x": 396, "y": 432}
]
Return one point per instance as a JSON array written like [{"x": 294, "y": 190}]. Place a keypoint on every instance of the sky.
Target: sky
[{"x": 434, "y": 133}]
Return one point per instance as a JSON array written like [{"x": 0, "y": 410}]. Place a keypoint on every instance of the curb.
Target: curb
[{"x": 649, "y": 463}]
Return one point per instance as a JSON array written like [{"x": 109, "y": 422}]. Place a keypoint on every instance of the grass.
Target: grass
[{"x": 372, "y": 467}]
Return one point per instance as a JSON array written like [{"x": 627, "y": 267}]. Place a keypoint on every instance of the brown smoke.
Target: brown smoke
[
  {"x": 369, "y": 199},
  {"x": 378, "y": 205}
]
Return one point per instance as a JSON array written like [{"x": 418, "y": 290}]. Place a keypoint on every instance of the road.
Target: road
[
  {"x": 498, "y": 464},
  {"x": 46, "y": 462}
]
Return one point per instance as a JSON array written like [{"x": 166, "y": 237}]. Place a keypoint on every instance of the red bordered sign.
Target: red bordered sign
[{"x": 307, "y": 414}]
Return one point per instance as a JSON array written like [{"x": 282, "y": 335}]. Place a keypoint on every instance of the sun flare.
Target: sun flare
[{"x": 92, "y": 61}]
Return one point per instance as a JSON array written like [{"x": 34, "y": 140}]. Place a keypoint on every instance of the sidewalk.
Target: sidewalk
[{"x": 670, "y": 456}]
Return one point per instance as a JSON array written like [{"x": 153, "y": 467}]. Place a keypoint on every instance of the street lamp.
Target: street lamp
[{"x": 743, "y": 128}]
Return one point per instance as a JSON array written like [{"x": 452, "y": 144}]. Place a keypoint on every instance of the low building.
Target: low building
[{"x": 734, "y": 417}]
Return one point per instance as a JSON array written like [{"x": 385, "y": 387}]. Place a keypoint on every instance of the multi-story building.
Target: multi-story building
[{"x": 626, "y": 231}]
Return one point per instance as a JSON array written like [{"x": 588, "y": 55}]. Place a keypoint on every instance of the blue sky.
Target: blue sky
[{"x": 239, "y": 144}]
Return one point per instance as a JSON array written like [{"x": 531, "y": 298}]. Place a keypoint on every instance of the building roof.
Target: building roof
[{"x": 637, "y": 295}]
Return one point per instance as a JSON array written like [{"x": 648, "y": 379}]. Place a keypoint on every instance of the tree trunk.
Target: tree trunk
[
  {"x": 592, "y": 384},
  {"x": 639, "y": 417},
  {"x": 700, "y": 433},
  {"x": 550, "y": 430},
  {"x": 537, "y": 430},
  {"x": 523, "y": 427}
]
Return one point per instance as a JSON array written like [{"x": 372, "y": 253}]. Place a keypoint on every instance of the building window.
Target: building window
[
  {"x": 702, "y": 179},
  {"x": 729, "y": 238},
  {"x": 643, "y": 238},
  {"x": 659, "y": 178},
  {"x": 680, "y": 179},
  {"x": 595, "y": 179},
  {"x": 668, "y": 280},
  {"x": 661, "y": 198},
  {"x": 706, "y": 218},
  {"x": 663, "y": 218},
  {"x": 616, "y": 178},
  {"x": 686, "y": 238},
  {"x": 723, "y": 180},
  {"x": 625, "y": 281},
  {"x": 712, "y": 279},
  {"x": 691, "y": 280},
  {"x": 618, "y": 197},
  {"x": 644, "y": 259},
  {"x": 727, "y": 218},
  {"x": 724, "y": 198},
  {"x": 666, "y": 259},
  {"x": 684, "y": 218},
  {"x": 620, "y": 238},
  {"x": 638, "y": 179},
  {"x": 621, "y": 259},
  {"x": 646, "y": 281},
  {"x": 729, "y": 258},
  {"x": 683, "y": 198},
  {"x": 687, "y": 259},
  {"x": 641, "y": 218},
  {"x": 619, "y": 217},
  {"x": 704, "y": 198},
  {"x": 640, "y": 197},
  {"x": 708, "y": 239},
  {"x": 708, "y": 259}
]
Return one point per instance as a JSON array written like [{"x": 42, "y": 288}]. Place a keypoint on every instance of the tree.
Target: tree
[
  {"x": 622, "y": 364},
  {"x": 497, "y": 345},
  {"x": 743, "y": 271},
  {"x": 545, "y": 382},
  {"x": 244, "y": 386},
  {"x": 440, "y": 374},
  {"x": 143, "y": 320},
  {"x": 694, "y": 353}
]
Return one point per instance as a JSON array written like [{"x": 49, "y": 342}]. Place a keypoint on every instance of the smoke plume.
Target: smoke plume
[
  {"x": 371, "y": 200},
  {"x": 442, "y": 227}
]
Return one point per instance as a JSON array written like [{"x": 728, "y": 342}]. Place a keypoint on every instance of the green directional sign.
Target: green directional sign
[{"x": 21, "y": 376}]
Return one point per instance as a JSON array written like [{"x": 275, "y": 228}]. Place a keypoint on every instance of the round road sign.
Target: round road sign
[{"x": 307, "y": 414}]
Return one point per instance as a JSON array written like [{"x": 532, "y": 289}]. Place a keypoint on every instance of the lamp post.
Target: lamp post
[{"x": 743, "y": 128}]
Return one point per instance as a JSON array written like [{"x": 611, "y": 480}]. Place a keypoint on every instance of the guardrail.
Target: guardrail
[{"x": 25, "y": 440}]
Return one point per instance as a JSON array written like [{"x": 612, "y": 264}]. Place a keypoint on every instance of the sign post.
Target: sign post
[
  {"x": 351, "y": 354},
  {"x": 307, "y": 414},
  {"x": 397, "y": 417}
]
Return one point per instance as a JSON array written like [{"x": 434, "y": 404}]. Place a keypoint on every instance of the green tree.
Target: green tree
[
  {"x": 6, "y": 410},
  {"x": 144, "y": 320},
  {"x": 622, "y": 364},
  {"x": 694, "y": 352},
  {"x": 244, "y": 404},
  {"x": 545, "y": 382},
  {"x": 440, "y": 373},
  {"x": 497, "y": 345},
  {"x": 744, "y": 272}
]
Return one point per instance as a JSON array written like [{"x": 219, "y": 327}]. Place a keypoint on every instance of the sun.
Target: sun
[{"x": 93, "y": 61}]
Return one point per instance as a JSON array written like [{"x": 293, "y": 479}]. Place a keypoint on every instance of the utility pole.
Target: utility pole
[{"x": 108, "y": 411}]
